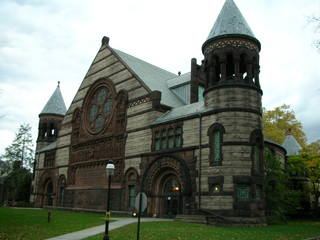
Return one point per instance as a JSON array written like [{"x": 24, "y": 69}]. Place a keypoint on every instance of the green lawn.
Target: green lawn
[
  {"x": 188, "y": 231},
  {"x": 33, "y": 225}
]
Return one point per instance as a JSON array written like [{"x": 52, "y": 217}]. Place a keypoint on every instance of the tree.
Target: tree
[
  {"x": 21, "y": 149},
  {"x": 313, "y": 148},
  {"x": 278, "y": 121},
  {"x": 280, "y": 199},
  {"x": 307, "y": 165},
  {"x": 18, "y": 163}
]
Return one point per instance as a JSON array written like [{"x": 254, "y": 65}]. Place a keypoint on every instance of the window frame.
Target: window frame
[
  {"x": 162, "y": 136},
  {"x": 216, "y": 127}
]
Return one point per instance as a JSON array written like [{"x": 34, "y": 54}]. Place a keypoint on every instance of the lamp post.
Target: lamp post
[{"x": 109, "y": 171}]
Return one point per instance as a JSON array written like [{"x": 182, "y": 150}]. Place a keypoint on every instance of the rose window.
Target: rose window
[{"x": 99, "y": 110}]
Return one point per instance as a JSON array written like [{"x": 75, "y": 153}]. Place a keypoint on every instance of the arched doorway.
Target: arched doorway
[
  {"x": 171, "y": 196},
  {"x": 167, "y": 183},
  {"x": 48, "y": 198},
  {"x": 61, "y": 188},
  {"x": 166, "y": 194}
]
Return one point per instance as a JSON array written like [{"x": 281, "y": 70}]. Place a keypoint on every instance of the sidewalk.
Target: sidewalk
[{"x": 100, "y": 229}]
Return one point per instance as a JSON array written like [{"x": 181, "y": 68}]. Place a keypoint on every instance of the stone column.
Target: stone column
[
  {"x": 223, "y": 66},
  {"x": 236, "y": 58}
]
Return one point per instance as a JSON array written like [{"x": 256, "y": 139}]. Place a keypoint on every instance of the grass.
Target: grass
[
  {"x": 297, "y": 230},
  {"x": 33, "y": 224}
]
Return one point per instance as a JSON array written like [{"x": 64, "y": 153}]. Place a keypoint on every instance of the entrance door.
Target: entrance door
[
  {"x": 50, "y": 194},
  {"x": 172, "y": 203}
]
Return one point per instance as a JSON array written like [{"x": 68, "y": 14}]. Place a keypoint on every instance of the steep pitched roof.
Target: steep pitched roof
[
  {"x": 55, "y": 104},
  {"x": 230, "y": 21},
  {"x": 291, "y": 145},
  {"x": 154, "y": 77}
]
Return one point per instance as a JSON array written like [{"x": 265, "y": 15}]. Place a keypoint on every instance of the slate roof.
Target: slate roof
[
  {"x": 230, "y": 21},
  {"x": 55, "y": 104},
  {"x": 154, "y": 77},
  {"x": 182, "y": 112},
  {"x": 179, "y": 80},
  {"x": 291, "y": 145}
]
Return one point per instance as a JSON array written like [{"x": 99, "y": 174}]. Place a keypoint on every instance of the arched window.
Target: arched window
[
  {"x": 256, "y": 140},
  {"x": 215, "y": 134}
]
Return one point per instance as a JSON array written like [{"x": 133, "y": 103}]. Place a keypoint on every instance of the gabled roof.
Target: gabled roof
[
  {"x": 55, "y": 104},
  {"x": 182, "y": 112},
  {"x": 154, "y": 77},
  {"x": 230, "y": 21},
  {"x": 291, "y": 145}
]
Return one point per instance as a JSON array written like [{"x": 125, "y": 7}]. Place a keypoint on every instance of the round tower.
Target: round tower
[
  {"x": 50, "y": 119},
  {"x": 232, "y": 90}
]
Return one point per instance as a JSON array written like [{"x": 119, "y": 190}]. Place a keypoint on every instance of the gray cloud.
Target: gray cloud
[{"x": 42, "y": 42}]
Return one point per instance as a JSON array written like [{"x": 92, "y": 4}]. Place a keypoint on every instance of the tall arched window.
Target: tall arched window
[
  {"x": 215, "y": 134},
  {"x": 256, "y": 140}
]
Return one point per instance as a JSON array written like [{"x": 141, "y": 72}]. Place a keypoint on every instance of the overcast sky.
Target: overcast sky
[{"x": 42, "y": 42}]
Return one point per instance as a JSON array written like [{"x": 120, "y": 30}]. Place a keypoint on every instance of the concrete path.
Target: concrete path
[{"x": 100, "y": 229}]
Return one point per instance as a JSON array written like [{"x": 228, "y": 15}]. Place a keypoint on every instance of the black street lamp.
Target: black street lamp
[{"x": 109, "y": 171}]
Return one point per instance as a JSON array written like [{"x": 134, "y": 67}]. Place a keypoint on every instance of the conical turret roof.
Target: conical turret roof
[
  {"x": 291, "y": 145},
  {"x": 55, "y": 104},
  {"x": 230, "y": 21}
]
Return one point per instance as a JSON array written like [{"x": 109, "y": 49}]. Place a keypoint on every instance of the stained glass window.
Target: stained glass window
[
  {"x": 99, "y": 123},
  {"x": 243, "y": 192},
  {"x": 164, "y": 139},
  {"x": 93, "y": 111},
  {"x": 132, "y": 196},
  {"x": 171, "y": 138},
  {"x": 178, "y": 133},
  {"x": 168, "y": 138},
  {"x": 99, "y": 109},
  {"x": 216, "y": 146},
  {"x": 108, "y": 106},
  {"x": 157, "y": 141}
]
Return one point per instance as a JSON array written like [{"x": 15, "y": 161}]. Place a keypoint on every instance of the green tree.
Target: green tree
[
  {"x": 313, "y": 148},
  {"x": 18, "y": 164},
  {"x": 278, "y": 121},
  {"x": 307, "y": 165},
  {"x": 280, "y": 199},
  {"x": 21, "y": 149}
]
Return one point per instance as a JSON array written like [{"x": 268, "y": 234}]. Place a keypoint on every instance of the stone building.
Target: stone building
[{"x": 192, "y": 142}]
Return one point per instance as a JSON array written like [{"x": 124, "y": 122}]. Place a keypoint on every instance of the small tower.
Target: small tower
[
  {"x": 291, "y": 144},
  {"x": 50, "y": 119},
  {"x": 229, "y": 74}
]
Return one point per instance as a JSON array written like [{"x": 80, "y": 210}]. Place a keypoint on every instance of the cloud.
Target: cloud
[{"x": 43, "y": 42}]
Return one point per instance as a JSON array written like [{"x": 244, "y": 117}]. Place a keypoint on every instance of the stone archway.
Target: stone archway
[
  {"x": 48, "y": 193},
  {"x": 61, "y": 190},
  {"x": 167, "y": 198},
  {"x": 167, "y": 183}
]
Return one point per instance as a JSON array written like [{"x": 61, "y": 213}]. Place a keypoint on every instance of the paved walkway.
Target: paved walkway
[{"x": 100, "y": 229}]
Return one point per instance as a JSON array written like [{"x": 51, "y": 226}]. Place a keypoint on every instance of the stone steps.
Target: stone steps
[{"x": 201, "y": 219}]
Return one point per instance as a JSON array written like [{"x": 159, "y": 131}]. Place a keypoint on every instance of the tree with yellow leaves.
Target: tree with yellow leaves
[{"x": 279, "y": 121}]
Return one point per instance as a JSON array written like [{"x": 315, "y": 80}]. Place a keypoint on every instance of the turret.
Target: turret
[
  {"x": 229, "y": 74},
  {"x": 50, "y": 119}
]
